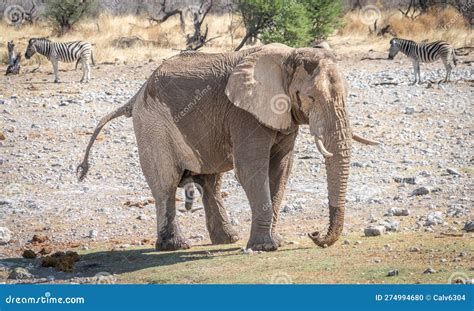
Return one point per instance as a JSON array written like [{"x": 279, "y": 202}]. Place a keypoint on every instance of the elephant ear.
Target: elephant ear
[{"x": 257, "y": 86}]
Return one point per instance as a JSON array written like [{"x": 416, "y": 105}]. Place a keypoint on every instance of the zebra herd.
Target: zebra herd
[{"x": 81, "y": 51}]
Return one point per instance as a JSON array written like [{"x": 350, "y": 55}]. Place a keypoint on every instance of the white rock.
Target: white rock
[
  {"x": 5, "y": 235},
  {"x": 93, "y": 234}
]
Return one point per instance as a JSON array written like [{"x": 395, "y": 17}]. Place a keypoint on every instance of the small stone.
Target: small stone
[
  {"x": 5, "y": 235},
  {"x": 409, "y": 110},
  {"x": 377, "y": 260},
  {"x": 452, "y": 171},
  {"x": 405, "y": 180},
  {"x": 29, "y": 254},
  {"x": 142, "y": 217},
  {"x": 19, "y": 273},
  {"x": 374, "y": 230},
  {"x": 468, "y": 227},
  {"x": 293, "y": 243},
  {"x": 346, "y": 242},
  {"x": 421, "y": 191},
  {"x": 429, "y": 271},
  {"x": 414, "y": 249},
  {"x": 358, "y": 242},
  {"x": 391, "y": 226},
  {"x": 443, "y": 260},
  {"x": 434, "y": 218},
  {"x": 462, "y": 254},
  {"x": 38, "y": 238},
  {"x": 6, "y": 202},
  {"x": 392, "y": 273},
  {"x": 394, "y": 211},
  {"x": 93, "y": 234},
  {"x": 234, "y": 222}
]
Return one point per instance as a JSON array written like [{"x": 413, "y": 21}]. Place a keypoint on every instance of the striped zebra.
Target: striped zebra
[
  {"x": 425, "y": 53},
  {"x": 67, "y": 52}
]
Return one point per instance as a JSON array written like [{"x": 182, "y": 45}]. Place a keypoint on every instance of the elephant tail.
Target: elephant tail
[{"x": 125, "y": 110}]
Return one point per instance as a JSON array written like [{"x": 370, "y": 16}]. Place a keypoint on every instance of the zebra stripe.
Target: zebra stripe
[
  {"x": 66, "y": 52},
  {"x": 425, "y": 53}
]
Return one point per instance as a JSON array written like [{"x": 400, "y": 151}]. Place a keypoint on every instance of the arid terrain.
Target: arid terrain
[{"x": 423, "y": 166}]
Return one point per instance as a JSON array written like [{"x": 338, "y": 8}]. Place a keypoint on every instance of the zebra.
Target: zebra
[
  {"x": 13, "y": 60},
  {"x": 67, "y": 52},
  {"x": 425, "y": 53}
]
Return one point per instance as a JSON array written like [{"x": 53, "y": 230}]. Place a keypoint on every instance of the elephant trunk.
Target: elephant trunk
[{"x": 337, "y": 138}]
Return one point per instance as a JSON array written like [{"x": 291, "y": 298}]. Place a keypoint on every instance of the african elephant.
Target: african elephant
[{"x": 200, "y": 115}]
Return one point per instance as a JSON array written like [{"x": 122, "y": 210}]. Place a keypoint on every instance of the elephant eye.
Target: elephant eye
[{"x": 312, "y": 98}]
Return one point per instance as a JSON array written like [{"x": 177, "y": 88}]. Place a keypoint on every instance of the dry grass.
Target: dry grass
[
  {"x": 352, "y": 38},
  {"x": 102, "y": 31},
  {"x": 437, "y": 24}
]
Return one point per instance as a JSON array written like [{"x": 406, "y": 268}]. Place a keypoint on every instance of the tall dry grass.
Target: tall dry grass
[
  {"x": 352, "y": 37},
  {"x": 101, "y": 33},
  {"x": 437, "y": 24}
]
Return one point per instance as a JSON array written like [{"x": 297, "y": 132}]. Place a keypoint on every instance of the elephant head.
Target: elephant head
[{"x": 283, "y": 87}]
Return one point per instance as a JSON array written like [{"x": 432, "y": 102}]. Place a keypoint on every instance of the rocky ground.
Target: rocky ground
[{"x": 417, "y": 182}]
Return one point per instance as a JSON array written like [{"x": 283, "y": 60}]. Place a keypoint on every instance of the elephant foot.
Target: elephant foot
[
  {"x": 171, "y": 239},
  {"x": 262, "y": 242},
  {"x": 173, "y": 244},
  {"x": 223, "y": 235}
]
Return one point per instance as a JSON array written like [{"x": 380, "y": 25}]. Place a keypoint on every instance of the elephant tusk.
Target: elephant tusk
[
  {"x": 322, "y": 149},
  {"x": 364, "y": 140}
]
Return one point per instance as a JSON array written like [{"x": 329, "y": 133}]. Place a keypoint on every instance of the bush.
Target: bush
[
  {"x": 324, "y": 15},
  {"x": 292, "y": 22},
  {"x": 291, "y": 26},
  {"x": 63, "y": 14}
]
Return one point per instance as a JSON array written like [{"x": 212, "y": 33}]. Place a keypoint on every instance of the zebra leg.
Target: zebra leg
[
  {"x": 419, "y": 72},
  {"x": 55, "y": 69},
  {"x": 416, "y": 69},
  {"x": 88, "y": 75},
  {"x": 84, "y": 70},
  {"x": 448, "y": 67}
]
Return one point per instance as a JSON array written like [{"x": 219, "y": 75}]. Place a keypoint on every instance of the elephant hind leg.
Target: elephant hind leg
[
  {"x": 163, "y": 181},
  {"x": 217, "y": 222}
]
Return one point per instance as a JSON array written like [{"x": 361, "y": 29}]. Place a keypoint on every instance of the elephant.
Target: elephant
[{"x": 202, "y": 114}]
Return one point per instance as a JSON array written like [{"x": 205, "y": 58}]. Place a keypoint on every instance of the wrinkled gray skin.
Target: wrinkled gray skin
[{"x": 200, "y": 115}]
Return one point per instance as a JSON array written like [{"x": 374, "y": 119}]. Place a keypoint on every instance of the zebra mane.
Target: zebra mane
[
  {"x": 43, "y": 39},
  {"x": 398, "y": 40}
]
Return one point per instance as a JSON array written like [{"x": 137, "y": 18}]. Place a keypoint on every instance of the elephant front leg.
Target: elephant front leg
[
  {"x": 217, "y": 222},
  {"x": 280, "y": 167},
  {"x": 253, "y": 176}
]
